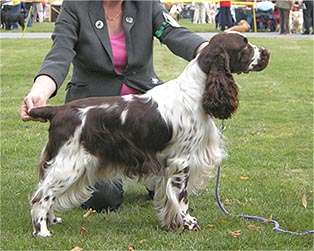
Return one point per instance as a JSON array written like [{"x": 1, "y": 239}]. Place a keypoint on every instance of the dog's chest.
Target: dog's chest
[{"x": 189, "y": 134}]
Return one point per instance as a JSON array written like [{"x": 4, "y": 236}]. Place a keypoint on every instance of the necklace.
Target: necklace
[{"x": 111, "y": 19}]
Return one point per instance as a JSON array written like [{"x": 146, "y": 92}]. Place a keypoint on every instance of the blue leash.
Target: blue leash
[{"x": 248, "y": 217}]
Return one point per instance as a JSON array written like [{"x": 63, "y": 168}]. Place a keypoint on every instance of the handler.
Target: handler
[{"x": 110, "y": 45}]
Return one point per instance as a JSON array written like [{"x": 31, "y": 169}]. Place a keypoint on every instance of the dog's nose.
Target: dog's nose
[
  {"x": 263, "y": 60},
  {"x": 266, "y": 52}
]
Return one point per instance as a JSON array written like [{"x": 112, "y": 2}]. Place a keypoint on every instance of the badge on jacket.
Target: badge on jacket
[{"x": 99, "y": 24}]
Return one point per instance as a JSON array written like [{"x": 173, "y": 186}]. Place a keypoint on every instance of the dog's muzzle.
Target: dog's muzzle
[{"x": 260, "y": 58}]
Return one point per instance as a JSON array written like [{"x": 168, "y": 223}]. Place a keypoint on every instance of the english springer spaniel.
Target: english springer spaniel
[{"x": 167, "y": 135}]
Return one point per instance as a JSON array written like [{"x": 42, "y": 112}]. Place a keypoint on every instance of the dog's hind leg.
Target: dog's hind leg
[
  {"x": 64, "y": 185},
  {"x": 171, "y": 198},
  {"x": 52, "y": 218},
  {"x": 49, "y": 190}
]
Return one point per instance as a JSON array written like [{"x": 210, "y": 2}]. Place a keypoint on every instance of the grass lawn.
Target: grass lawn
[
  {"x": 268, "y": 172},
  {"x": 48, "y": 27}
]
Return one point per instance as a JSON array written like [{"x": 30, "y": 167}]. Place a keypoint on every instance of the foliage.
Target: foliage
[{"x": 268, "y": 172}]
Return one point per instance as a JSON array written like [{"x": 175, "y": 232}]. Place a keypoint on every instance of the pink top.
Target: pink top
[{"x": 120, "y": 59}]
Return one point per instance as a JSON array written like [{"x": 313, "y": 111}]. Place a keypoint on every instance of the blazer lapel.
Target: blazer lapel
[
  {"x": 98, "y": 24},
  {"x": 129, "y": 19}
]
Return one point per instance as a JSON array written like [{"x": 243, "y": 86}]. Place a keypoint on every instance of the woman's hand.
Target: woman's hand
[{"x": 42, "y": 89}]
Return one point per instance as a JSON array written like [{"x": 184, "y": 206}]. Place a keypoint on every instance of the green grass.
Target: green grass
[
  {"x": 269, "y": 140},
  {"x": 49, "y": 26},
  {"x": 36, "y": 27}
]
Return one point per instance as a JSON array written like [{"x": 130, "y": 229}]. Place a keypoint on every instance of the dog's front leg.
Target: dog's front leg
[{"x": 171, "y": 198}]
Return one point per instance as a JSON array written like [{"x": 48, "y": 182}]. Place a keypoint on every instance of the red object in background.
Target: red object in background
[{"x": 225, "y": 3}]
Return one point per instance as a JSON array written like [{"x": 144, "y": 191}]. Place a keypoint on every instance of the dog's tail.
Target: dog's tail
[{"x": 43, "y": 113}]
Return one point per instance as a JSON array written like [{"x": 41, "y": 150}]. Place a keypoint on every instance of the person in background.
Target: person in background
[
  {"x": 27, "y": 4},
  {"x": 225, "y": 17},
  {"x": 175, "y": 11},
  {"x": 16, "y": 9},
  {"x": 308, "y": 13},
  {"x": 110, "y": 45},
  {"x": 284, "y": 7},
  {"x": 249, "y": 10},
  {"x": 199, "y": 16},
  {"x": 38, "y": 11},
  {"x": 44, "y": 4}
]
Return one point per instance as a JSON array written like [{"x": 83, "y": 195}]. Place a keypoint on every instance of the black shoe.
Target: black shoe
[
  {"x": 107, "y": 197},
  {"x": 306, "y": 33}
]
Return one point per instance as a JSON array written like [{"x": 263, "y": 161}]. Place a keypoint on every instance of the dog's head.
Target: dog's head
[{"x": 227, "y": 53}]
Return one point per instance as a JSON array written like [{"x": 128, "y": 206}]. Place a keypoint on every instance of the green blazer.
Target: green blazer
[{"x": 80, "y": 37}]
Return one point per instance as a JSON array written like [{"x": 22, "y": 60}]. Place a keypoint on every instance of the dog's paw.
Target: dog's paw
[
  {"x": 42, "y": 233},
  {"x": 56, "y": 221},
  {"x": 40, "y": 228},
  {"x": 190, "y": 223}
]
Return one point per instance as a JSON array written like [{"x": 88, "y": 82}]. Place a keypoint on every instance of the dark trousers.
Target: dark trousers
[
  {"x": 225, "y": 18},
  {"x": 16, "y": 9},
  {"x": 284, "y": 21},
  {"x": 308, "y": 16},
  {"x": 108, "y": 196},
  {"x": 27, "y": 7}
]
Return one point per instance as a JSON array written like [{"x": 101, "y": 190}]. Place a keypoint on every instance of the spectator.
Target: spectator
[
  {"x": 199, "y": 13},
  {"x": 16, "y": 9},
  {"x": 308, "y": 19},
  {"x": 27, "y": 4},
  {"x": 111, "y": 56},
  {"x": 284, "y": 7},
  {"x": 225, "y": 17},
  {"x": 249, "y": 17},
  {"x": 211, "y": 12},
  {"x": 175, "y": 11},
  {"x": 38, "y": 11}
]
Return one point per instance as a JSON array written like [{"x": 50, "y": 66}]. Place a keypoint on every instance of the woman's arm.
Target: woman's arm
[
  {"x": 180, "y": 41},
  {"x": 55, "y": 67},
  {"x": 65, "y": 36}
]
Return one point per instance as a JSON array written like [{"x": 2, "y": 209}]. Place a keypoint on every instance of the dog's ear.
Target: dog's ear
[{"x": 220, "y": 98}]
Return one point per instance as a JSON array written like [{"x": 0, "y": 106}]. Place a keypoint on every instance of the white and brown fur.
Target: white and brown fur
[
  {"x": 167, "y": 134},
  {"x": 242, "y": 26}
]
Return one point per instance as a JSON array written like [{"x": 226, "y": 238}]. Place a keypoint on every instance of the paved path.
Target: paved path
[
  {"x": 26, "y": 35},
  {"x": 205, "y": 35}
]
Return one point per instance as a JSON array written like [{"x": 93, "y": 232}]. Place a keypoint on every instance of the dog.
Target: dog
[
  {"x": 296, "y": 21},
  {"x": 243, "y": 26},
  {"x": 8, "y": 19},
  {"x": 167, "y": 135}
]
